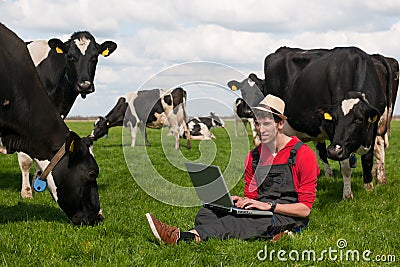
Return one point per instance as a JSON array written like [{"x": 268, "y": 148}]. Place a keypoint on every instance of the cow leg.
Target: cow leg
[
  {"x": 236, "y": 125},
  {"x": 133, "y": 129},
  {"x": 25, "y": 163},
  {"x": 320, "y": 148},
  {"x": 142, "y": 127},
  {"x": 256, "y": 138},
  {"x": 245, "y": 127},
  {"x": 367, "y": 162},
  {"x": 345, "y": 169},
  {"x": 379, "y": 153}
]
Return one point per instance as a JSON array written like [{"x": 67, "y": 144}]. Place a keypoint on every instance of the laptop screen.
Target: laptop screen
[{"x": 209, "y": 184}]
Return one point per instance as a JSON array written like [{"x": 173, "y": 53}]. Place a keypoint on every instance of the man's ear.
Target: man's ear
[
  {"x": 106, "y": 48},
  {"x": 234, "y": 85},
  {"x": 57, "y": 45}
]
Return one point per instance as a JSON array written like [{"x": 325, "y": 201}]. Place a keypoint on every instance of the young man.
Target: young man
[{"x": 280, "y": 176}]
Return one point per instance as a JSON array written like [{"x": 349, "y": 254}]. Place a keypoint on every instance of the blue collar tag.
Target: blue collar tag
[{"x": 39, "y": 185}]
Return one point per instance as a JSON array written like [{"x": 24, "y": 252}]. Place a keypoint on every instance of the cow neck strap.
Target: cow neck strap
[{"x": 57, "y": 157}]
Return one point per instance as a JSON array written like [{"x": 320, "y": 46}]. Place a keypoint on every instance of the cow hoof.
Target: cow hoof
[
  {"x": 27, "y": 193},
  {"x": 328, "y": 172},
  {"x": 382, "y": 181},
  {"x": 348, "y": 196},
  {"x": 369, "y": 187}
]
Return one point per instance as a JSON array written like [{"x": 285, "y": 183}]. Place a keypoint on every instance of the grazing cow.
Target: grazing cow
[
  {"x": 333, "y": 94},
  {"x": 66, "y": 70},
  {"x": 200, "y": 127},
  {"x": 147, "y": 108},
  {"x": 252, "y": 89},
  {"x": 30, "y": 123}
]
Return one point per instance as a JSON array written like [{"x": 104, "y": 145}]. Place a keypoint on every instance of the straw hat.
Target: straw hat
[{"x": 272, "y": 104}]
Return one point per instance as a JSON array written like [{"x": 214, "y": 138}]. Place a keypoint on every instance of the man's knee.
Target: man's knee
[{"x": 205, "y": 216}]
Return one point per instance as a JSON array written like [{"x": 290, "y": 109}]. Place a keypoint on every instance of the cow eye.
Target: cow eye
[
  {"x": 92, "y": 175},
  {"x": 358, "y": 120}
]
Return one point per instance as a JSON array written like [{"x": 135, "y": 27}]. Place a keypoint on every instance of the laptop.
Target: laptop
[{"x": 211, "y": 189}]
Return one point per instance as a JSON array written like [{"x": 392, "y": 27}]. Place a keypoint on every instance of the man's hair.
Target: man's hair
[{"x": 265, "y": 114}]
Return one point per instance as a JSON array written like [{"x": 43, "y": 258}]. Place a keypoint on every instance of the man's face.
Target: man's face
[{"x": 267, "y": 129}]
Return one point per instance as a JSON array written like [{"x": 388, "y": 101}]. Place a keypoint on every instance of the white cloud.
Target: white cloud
[{"x": 153, "y": 35}]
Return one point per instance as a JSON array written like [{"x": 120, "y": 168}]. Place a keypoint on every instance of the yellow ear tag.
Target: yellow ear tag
[
  {"x": 108, "y": 123},
  {"x": 327, "y": 116},
  {"x": 373, "y": 119},
  {"x": 234, "y": 88},
  {"x": 71, "y": 147},
  {"x": 59, "y": 50},
  {"x": 105, "y": 52}
]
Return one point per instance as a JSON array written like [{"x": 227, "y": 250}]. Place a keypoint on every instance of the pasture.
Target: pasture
[{"x": 35, "y": 232}]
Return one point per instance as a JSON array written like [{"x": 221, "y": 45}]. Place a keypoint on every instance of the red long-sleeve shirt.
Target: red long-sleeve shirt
[{"x": 304, "y": 172}]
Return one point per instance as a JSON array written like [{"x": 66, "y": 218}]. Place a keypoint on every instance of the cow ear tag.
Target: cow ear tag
[
  {"x": 234, "y": 88},
  {"x": 327, "y": 116},
  {"x": 39, "y": 185},
  {"x": 59, "y": 50},
  {"x": 105, "y": 52},
  {"x": 71, "y": 146},
  {"x": 373, "y": 119}
]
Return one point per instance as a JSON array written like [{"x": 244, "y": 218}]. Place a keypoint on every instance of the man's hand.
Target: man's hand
[{"x": 248, "y": 203}]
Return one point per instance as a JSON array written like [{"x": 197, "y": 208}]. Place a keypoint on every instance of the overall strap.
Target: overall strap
[
  {"x": 256, "y": 158},
  {"x": 293, "y": 152}
]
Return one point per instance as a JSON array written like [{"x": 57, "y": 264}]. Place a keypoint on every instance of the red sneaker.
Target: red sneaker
[{"x": 163, "y": 232}]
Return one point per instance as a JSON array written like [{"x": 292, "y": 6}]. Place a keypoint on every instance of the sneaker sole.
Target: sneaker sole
[{"x": 152, "y": 227}]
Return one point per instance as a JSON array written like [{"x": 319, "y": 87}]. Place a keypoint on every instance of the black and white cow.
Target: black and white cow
[
  {"x": 330, "y": 94},
  {"x": 198, "y": 131},
  {"x": 148, "y": 108},
  {"x": 66, "y": 69},
  {"x": 30, "y": 123},
  {"x": 251, "y": 89},
  {"x": 200, "y": 127}
]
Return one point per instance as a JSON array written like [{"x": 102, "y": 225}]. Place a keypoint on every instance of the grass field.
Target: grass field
[{"x": 35, "y": 232}]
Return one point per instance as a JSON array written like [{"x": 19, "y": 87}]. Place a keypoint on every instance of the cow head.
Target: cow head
[
  {"x": 216, "y": 120},
  {"x": 75, "y": 182},
  {"x": 101, "y": 126},
  {"x": 251, "y": 89},
  {"x": 350, "y": 126},
  {"x": 81, "y": 53}
]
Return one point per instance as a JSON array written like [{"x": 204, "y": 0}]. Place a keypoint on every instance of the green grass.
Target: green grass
[{"x": 35, "y": 232}]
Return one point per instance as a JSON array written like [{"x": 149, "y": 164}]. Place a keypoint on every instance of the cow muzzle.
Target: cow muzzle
[
  {"x": 87, "y": 219},
  {"x": 337, "y": 152},
  {"x": 85, "y": 88}
]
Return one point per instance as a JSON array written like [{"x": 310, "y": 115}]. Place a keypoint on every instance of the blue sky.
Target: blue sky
[{"x": 157, "y": 37}]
